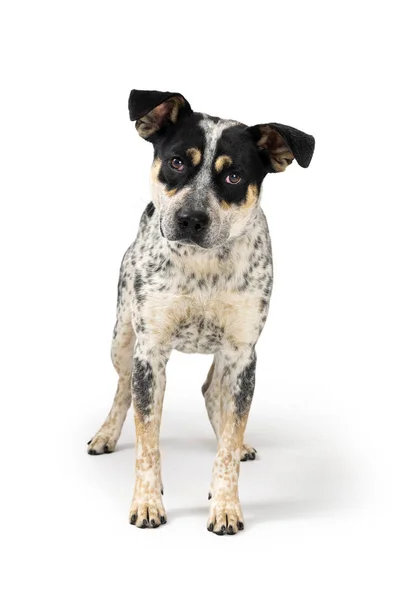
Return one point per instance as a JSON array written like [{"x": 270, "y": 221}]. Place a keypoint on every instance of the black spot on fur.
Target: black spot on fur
[
  {"x": 150, "y": 209},
  {"x": 226, "y": 371},
  {"x": 245, "y": 386},
  {"x": 223, "y": 253},
  {"x": 142, "y": 384},
  {"x": 244, "y": 283},
  {"x": 258, "y": 242},
  {"x": 268, "y": 288},
  {"x": 122, "y": 274},
  {"x": 214, "y": 119},
  {"x": 138, "y": 285},
  {"x": 140, "y": 325}
]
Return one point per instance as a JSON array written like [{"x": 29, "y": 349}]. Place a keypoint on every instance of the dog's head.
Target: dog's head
[{"x": 207, "y": 172}]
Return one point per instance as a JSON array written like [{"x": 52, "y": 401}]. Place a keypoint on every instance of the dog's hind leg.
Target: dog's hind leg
[
  {"x": 211, "y": 391},
  {"x": 122, "y": 355}
]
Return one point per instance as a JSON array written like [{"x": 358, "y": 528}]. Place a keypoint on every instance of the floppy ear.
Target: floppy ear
[
  {"x": 282, "y": 144},
  {"x": 153, "y": 111}
]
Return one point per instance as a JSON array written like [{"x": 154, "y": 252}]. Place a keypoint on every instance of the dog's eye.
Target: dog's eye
[
  {"x": 177, "y": 164},
  {"x": 233, "y": 178}
]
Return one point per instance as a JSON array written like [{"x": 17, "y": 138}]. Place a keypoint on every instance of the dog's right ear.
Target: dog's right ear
[{"x": 154, "y": 111}]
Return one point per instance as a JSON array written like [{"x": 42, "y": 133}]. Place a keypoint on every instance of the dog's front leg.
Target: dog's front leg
[
  {"x": 237, "y": 387},
  {"x": 148, "y": 387}
]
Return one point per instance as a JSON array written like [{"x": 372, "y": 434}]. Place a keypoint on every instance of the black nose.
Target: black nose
[{"x": 192, "y": 222}]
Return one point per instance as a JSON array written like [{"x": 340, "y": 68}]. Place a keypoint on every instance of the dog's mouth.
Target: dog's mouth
[
  {"x": 186, "y": 241},
  {"x": 199, "y": 242}
]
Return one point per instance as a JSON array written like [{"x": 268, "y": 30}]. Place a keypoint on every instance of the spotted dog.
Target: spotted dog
[{"x": 198, "y": 278}]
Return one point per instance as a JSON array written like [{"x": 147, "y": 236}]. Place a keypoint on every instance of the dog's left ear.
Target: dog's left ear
[
  {"x": 154, "y": 111},
  {"x": 280, "y": 144}
]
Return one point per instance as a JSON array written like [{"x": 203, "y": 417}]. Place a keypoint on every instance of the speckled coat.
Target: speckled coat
[{"x": 195, "y": 291}]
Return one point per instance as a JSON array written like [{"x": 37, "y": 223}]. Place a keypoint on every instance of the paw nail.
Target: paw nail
[
  {"x": 107, "y": 450},
  {"x": 133, "y": 519},
  {"x": 209, "y": 496},
  {"x": 163, "y": 520},
  {"x": 210, "y": 527},
  {"x": 252, "y": 456},
  {"x": 221, "y": 530},
  {"x": 144, "y": 524},
  {"x": 230, "y": 530},
  {"x": 153, "y": 524},
  {"x": 240, "y": 525},
  {"x": 89, "y": 442},
  {"x": 92, "y": 452}
]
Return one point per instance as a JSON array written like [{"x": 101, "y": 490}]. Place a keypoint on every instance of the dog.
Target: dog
[{"x": 198, "y": 278}]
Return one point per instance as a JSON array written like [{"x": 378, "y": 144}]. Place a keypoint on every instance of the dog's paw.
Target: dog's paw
[
  {"x": 225, "y": 517},
  {"x": 247, "y": 453},
  {"x": 147, "y": 513},
  {"x": 101, "y": 443}
]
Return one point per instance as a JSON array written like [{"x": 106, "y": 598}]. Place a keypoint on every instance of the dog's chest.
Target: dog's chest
[
  {"x": 198, "y": 314},
  {"x": 199, "y": 330}
]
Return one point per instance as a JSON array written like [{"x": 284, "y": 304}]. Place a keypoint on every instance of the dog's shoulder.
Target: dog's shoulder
[{"x": 132, "y": 255}]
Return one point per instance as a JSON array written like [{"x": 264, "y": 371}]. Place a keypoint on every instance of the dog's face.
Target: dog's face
[
  {"x": 207, "y": 172},
  {"x": 206, "y": 178}
]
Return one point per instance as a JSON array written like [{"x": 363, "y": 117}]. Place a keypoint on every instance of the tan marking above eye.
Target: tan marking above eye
[
  {"x": 171, "y": 193},
  {"x": 222, "y": 162},
  {"x": 194, "y": 155}
]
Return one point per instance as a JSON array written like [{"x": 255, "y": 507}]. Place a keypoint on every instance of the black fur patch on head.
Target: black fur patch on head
[
  {"x": 236, "y": 143},
  {"x": 183, "y": 138},
  {"x": 179, "y": 138}
]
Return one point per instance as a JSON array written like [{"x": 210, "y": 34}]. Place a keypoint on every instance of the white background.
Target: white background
[{"x": 321, "y": 501}]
